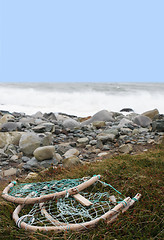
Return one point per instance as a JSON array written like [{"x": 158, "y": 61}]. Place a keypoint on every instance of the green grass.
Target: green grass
[{"x": 129, "y": 174}]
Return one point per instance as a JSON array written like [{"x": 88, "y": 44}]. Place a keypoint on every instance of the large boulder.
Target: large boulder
[
  {"x": 71, "y": 123},
  {"x": 151, "y": 114},
  {"x": 9, "y": 126},
  {"x": 6, "y": 118},
  {"x": 44, "y": 153},
  {"x": 158, "y": 126},
  {"x": 102, "y": 115},
  {"x": 142, "y": 121},
  {"x": 10, "y": 138},
  {"x": 29, "y": 142}
]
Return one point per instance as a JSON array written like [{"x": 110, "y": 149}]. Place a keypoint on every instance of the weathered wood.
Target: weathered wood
[{"x": 85, "y": 202}]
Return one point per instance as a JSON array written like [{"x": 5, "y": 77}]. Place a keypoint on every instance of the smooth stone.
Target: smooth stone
[
  {"x": 29, "y": 142},
  {"x": 44, "y": 153},
  {"x": 5, "y": 118},
  {"x": 125, "y": 131},
  {"x": 71, "y": 161},
  {"x": 126, "y": 148},
  {"x": 9, "y": 172},
  {"x": 83, "y": 141},
  {"x": 62, "y": 148},
  {"x": 102, "y": 154},
  {"x": 10, "y": 138},
  {"x": 102, "y": 115},
  {"x": 151, "y": 113},
  {"x": 142, "y": 121},
  {"x": 9, "y": 126},
  {"x": 158, "y": 126},
  {"x": 32, "y": 175},
  {"x": 104, "y": 137},
  {"x": 71, "y": 123},
  {"x": 124, "y": 122},
  {"x": 71, "y": 152}
]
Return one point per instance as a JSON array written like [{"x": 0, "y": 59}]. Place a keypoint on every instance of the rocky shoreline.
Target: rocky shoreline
[{"x": 32, "y": 143}]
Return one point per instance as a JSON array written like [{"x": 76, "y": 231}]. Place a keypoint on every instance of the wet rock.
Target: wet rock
[
  {"x": 43, "y": 153},
  {"x": 102, "y": 115},
  {"x": 29, "y": 142},
  {"x": 151, "y": 114},
  {"x": 142, "y": 121}
]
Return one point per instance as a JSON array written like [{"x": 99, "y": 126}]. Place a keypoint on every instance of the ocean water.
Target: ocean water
[{"x": 81, "y": 99}]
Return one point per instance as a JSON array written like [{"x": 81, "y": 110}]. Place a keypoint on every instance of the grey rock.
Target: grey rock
[
  {"x": 45, "y": 138},
  {"x": 102, "y": 115},
  {"x": 50, "y": 116},
  {"x": 126, "y": 148},
  {"x": 71, "y": 161},
  {"x": 32, "y": 164},
  {"x": 124, "y": 122},
  {"x": 10, "y": 138},
  {"x": 48, "y": 163},
  {"x": 71, "y": 152},
  {"x": 104, "y": 137},
  {"x": 10, "y": 126},
  {"x": 62, "y": 148},
  {"x": 142, "y": 121},
  {"x": 29, "y": 142},
  {"x": 82, "y": 141},
  {"x": 158, "y": 126},
  {"x": 43, "y": 153},
  {"x": 71, "y": 123}
]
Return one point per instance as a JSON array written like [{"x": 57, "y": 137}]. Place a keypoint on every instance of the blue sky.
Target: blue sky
[{"x": 82, "y": 40}]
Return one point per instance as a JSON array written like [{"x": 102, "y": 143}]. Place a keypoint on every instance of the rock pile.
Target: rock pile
[{"x": 32, "y": 143}]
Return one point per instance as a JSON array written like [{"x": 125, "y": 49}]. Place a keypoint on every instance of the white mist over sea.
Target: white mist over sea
[{"x": 81, "y": 99}]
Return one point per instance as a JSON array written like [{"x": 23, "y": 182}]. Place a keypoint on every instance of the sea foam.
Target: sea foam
[{"x": 80, "y": 99}]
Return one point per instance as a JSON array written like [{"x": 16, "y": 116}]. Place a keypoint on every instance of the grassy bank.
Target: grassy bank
[{"x": 129, "y": 174}]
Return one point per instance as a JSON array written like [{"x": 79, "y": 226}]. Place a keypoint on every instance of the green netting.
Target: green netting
[{"x": 66, "y": 210}]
